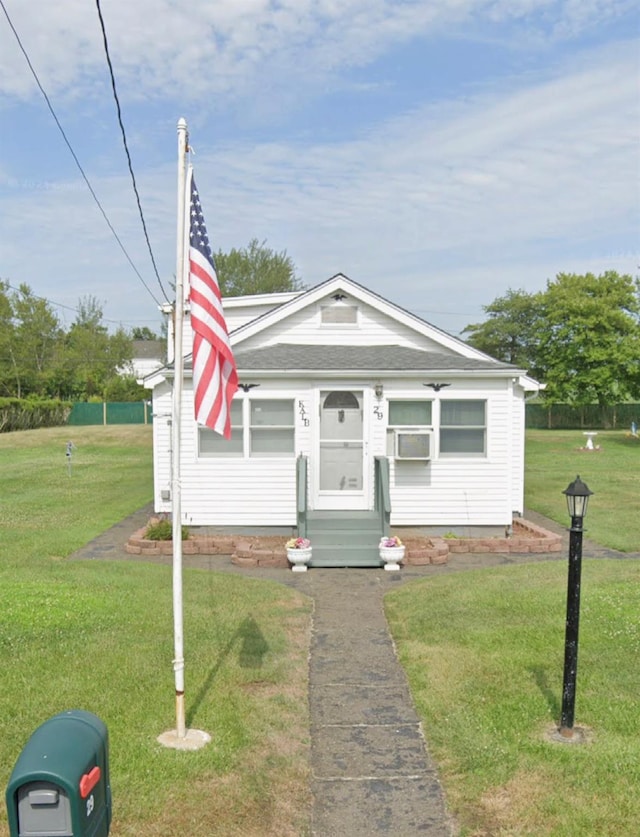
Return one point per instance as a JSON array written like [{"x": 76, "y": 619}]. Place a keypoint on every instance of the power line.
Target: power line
[
  {"x": 11, "y": 287},
  {"x": 126, "y": 147},
  {"x": 73, "y": 154}
]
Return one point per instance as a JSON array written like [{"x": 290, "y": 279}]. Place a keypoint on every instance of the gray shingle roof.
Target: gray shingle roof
[{"x": 284, "y": 356}]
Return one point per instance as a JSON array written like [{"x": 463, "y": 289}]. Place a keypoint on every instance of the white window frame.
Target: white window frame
[
  {"x": 464, "y": 427},
  {"x": 246, "y": 429},
  {"x": 407, "y": 428}
]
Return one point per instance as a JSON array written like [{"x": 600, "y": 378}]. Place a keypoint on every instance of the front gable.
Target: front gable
[{"x": 342, "y": 312}]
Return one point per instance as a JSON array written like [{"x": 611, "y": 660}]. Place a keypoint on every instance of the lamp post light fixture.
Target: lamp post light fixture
[{"x": 577, "y": 494}]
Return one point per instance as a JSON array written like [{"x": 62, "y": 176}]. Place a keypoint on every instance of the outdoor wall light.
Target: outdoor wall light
[
  {"x": 577, "y": 494},
  {"x": 378, "y": 389}
]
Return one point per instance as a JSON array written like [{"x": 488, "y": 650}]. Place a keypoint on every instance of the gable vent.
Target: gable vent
[{"x": 339, "y": 315}]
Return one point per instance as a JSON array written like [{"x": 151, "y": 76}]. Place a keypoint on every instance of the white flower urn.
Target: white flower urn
[
  {"x": 299, "y": 558},
  {"x": 391, "y": 557}
]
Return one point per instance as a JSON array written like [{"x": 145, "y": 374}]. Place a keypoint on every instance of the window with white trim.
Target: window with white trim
[
  {"x": 211, "y": 443},
  {"x": 271, "y": 430},
  {"x": 407, "y": 415},
  {"x": 260, "y": 427},
  {"x": 463, "y": 428}
]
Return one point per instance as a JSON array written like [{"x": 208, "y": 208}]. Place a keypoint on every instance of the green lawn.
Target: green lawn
[
  {"x": 99, "y": 636},
  {"x": 555, "y": 457},
  {"x": 484, "y": 654}
]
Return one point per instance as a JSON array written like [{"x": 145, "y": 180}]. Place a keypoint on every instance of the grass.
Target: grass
[
  {"x": 484, "y": 655},
  {"x": 554, "y": 457},
  {"x": 489, "y": 689},
  {"x": 99, "y": 636}
]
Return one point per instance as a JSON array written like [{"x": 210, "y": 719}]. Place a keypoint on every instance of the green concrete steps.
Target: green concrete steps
[{"x": 344, "y": 539}]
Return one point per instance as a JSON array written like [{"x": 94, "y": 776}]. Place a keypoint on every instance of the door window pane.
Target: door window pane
[{"x": 341, "y": 466}]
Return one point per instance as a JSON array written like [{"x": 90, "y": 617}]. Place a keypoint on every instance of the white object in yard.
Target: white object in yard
[
  {"x": 391, "y": 556},
  {"x": 590, "y": 434},
  {"x": 299, "y": 558}
]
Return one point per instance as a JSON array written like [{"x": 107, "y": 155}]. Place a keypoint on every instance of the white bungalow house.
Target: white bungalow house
[{"x": 353, "y": 416}]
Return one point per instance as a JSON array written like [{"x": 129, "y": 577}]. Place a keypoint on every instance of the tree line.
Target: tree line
[
  {"x": 580, "y": 337},
  {"x": 40, "y": 358}
]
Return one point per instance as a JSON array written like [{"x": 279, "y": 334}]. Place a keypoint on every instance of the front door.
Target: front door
[{"x": 342, "y": 463}]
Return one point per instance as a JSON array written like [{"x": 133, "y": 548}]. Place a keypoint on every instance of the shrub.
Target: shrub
[
  {"x": 162, "y": 530},
  {"x": 32, "y": 413}
]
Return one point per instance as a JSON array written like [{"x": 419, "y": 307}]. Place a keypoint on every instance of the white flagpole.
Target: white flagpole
[
  {"x": 176, "y": 487},
  {"x": 180, "y": 738}
]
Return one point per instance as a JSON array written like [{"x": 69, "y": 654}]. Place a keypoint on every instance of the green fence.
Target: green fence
[
  {"x": 591, "y": 417},
  {"x": 112, "y": 412}
]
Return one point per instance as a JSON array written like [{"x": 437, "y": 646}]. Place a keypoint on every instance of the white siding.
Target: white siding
[
  {"x": 458, "y": 491},
  {"x": 373, "y": 328},
  {"x": 517, "y": 452},
  {"x": 162, "y": 406},
  {"x": 231, "y": 491},
  {"x": 445, "y": 491}
]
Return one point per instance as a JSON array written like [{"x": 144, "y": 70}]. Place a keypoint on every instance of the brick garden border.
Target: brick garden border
[{"x": 269, "y": 550}]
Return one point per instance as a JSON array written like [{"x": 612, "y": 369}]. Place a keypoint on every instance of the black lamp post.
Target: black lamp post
[{"x": 577, "y": 494}]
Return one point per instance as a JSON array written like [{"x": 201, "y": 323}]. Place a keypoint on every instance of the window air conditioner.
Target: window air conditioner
[{"x": 413, "y": 445}]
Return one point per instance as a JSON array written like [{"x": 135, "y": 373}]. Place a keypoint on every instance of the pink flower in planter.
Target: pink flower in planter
[
  {"x": 298, "y": 543},
  {"x": 390, "y": 542}
]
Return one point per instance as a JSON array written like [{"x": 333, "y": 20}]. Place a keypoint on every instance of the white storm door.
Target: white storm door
[{"x": 342, "y": 465}]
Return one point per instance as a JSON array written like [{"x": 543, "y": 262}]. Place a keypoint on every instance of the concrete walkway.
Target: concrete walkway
[
  {"x": 372, "y": 773},
  {"x": 371, "y": 769}
]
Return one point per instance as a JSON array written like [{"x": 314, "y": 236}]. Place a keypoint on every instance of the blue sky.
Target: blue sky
[{"x": 438, "y": 152}]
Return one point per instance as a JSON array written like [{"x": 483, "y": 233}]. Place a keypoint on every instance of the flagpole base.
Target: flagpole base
[{"x": 193, "y": 739}]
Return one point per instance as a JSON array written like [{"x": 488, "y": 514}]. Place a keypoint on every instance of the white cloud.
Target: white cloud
[
  {"x": 439, "y": 209},
  {"x": 217, "y": 47}
]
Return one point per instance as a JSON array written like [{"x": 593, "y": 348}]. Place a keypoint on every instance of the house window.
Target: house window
[
  {"x": 407, "y": 415},
  {"x": 463, "y": 430},
  {"x": 259, "y": 428},
  {"x": 410, "y": 413},
  {"x": 272, "y": 428},
  {"x": 211, "y": 443}
]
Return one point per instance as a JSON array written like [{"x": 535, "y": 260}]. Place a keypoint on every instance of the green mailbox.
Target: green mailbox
[{"x": 60, "y": 784}]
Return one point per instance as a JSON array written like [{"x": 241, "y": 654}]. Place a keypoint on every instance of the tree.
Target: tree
[
  {"x": 510, "y": 333},
  {"x": 6, "y": 340},
  {"x": 35, "y": 342},
  {"x": 255, "y": 269},
  {"x": 124, "y": 388},
  {"x": 580, "y": 336},
  {"x": 93, "y": 356},
  {"x": 143, "y": 333},
  {"x": 590, "y": 338}
]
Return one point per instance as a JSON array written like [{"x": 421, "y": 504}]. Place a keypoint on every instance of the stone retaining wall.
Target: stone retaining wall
[{"x": 269, "y": 550}]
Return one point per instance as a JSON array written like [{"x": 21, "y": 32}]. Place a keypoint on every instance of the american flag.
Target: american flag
[{"x": 215, "y": 379}]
